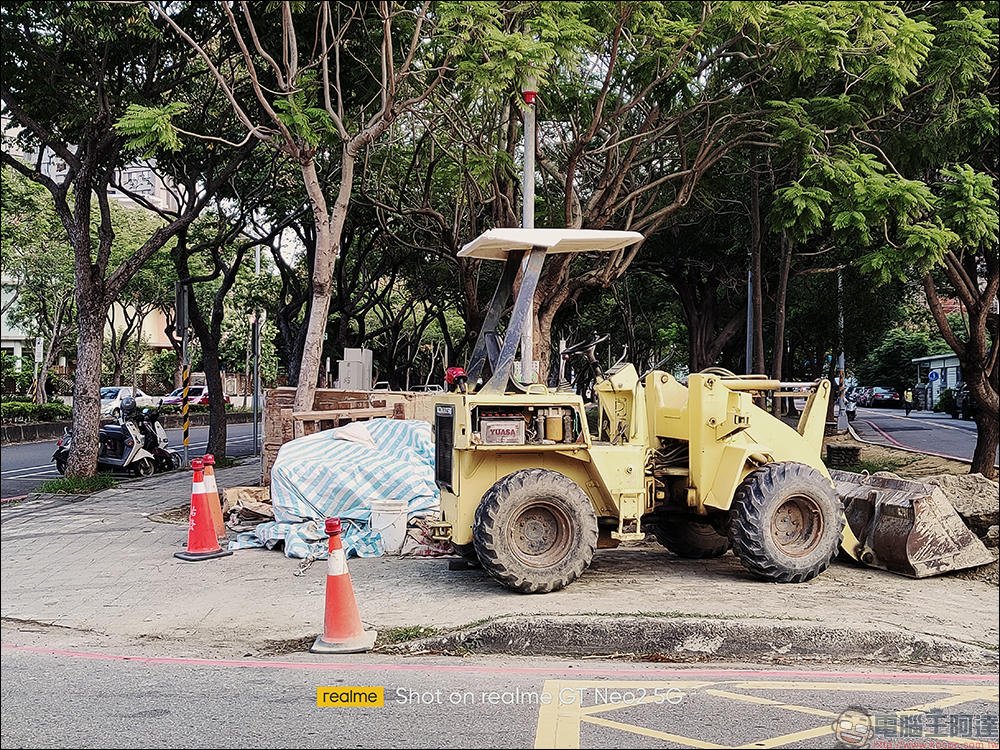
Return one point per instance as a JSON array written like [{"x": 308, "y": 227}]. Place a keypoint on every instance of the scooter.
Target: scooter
[
  {"x": 122, "y": 446},
  {"x": 156, "y": 441}
]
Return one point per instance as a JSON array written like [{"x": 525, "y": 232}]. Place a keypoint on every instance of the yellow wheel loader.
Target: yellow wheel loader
[{"x": 529, "y": 489}]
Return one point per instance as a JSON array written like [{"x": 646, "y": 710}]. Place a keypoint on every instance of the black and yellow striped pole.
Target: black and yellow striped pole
[
  {"x": 184, "y": 408},
  {"x": 181, "y": 313}
]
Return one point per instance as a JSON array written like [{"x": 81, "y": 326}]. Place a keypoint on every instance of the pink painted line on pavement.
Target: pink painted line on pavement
[
  {"x": 168, "y": 660},
  {"x": 880, "y": 432},
  {"x": 915, "y": 450}
]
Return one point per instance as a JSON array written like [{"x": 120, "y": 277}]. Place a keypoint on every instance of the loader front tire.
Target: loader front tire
[
  {"x": 786, "y": 523},
  {"x": 691, "y": 539},
  {"x": 535, "y": 531}
]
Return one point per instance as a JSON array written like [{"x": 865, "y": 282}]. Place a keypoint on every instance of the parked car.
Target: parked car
[
  {"x": 111, "y": 399},
  {"x": 964, "y": 403},
  {"x": 197, "y": 396},
  {"x": 430, "y": 388},
  {"x": 885, "y": 397}
]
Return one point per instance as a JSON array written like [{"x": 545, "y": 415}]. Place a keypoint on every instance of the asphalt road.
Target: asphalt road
[
  {"x": 925, "y": 431},
  {"x": 27, "y": 465},
  {"x": 71, "y": 698}
]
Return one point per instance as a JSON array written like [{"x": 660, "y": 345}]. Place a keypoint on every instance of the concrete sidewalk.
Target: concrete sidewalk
[{"x": 100, "y": 570}]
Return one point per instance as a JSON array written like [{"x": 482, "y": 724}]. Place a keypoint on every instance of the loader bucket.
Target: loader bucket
[{"x": 903, "y": 527}]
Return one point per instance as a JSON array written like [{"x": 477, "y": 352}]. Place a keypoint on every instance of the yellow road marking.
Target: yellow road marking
[
  {"x": 559, "y": 723},
  {"x": 769, "y": 702},
  {"x": 646, "y": 732},
  {"x": 786, "y": 739},
  {"x": 985, "y": 695}
]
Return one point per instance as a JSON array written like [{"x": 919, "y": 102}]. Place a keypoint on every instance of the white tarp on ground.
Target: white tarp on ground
[{"x": 337, "y": 474}]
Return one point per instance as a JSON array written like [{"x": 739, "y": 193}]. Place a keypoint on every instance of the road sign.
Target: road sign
[{"x": 933, "y": 375}]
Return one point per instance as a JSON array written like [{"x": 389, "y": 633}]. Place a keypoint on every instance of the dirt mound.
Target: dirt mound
[{"x": 974, "y": 497}]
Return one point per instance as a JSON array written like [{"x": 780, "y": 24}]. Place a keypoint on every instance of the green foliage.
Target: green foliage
[
  {"x": 19, "y": 412},
  {"x": 891, "y": 364},
  {"x": 946, "y": 401},
  {"x": 15, "y": 382},
  {"x": 970, "y": 205},
  {"x": 37, "y": 260},
  {"x": 299, "y": 115},
  {"x": 163, "y": 365},
  {"x": 53, "y": 411},
  {"x": 149, "y": 129}
]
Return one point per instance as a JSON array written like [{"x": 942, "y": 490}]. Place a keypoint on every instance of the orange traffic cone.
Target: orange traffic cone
[
  {"x": 212, "y": 493},
  {"x": 202, "y": 544},
  {"x": 343, "y": 632}
]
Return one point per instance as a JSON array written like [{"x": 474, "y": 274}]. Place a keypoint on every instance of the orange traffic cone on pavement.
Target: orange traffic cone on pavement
[
  {"x": 202, "y": 544},
  {"x": 343, "y": 632},
  {"x": 212, "y": 493}
]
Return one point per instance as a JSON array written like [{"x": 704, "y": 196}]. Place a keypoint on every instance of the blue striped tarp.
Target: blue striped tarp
[{"x": 321, "y": 476}]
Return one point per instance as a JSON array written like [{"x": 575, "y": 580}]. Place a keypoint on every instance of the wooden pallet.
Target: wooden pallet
[
  {"x": 299, "y": 424},
  {"x": 331, "y": 408}
]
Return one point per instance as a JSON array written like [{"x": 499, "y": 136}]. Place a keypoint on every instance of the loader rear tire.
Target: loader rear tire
[
  {"x": 691, "y": 539},
  {"x": 786, "y": 523},
  {"x": 535, "y": 531}
]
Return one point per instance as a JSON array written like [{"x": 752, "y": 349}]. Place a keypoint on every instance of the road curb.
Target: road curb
[{"x": 705, "y": 639}]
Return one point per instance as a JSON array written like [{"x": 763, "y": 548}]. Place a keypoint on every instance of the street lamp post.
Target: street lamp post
[{"x": 528, "y": 91}]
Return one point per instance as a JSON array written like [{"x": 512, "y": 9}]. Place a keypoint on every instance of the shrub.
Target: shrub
[
  {"x": 16, "y": 398},
  {"x": 17, "y": 411},
  {"x": 946, "y": 402},
  {"x": 54, "y": 411}
]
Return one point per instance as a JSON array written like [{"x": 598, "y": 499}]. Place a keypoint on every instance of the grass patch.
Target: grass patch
[
  {"x": 225, "y": 463},
  {"x": 402, "y": 635},
  {"x": 78, "y": 485},
  {"x": 889, "y": 463}
]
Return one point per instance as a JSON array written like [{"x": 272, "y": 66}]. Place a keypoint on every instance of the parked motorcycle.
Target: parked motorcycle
[
  {"x": 852, "y": 408},
  {"x": 122, "y": 446},
  {"x": 156, "y": 441}
]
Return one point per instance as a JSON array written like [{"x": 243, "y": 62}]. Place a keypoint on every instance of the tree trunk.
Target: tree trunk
[
  {"x": 978, "y": 354},
  {"x": 87, "y": 388},
  {"x": 757, "y": 366},
  {"x": 988, "y": 439},
  {"x": 756, "y": 274},
  {"x": 328, "y": 232},
  {"x": 779, "y": 315},
  {"x": 213, "y": 378}
]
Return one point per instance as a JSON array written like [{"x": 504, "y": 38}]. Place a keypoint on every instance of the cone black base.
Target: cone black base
[{"x": 196, "y": 556}]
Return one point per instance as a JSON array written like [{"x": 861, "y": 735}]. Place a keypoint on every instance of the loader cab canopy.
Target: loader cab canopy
[
  {"x": 498, "y": 244},
  {"x": 525, "y": 250}
]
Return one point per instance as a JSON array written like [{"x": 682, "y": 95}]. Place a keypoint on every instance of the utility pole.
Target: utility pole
[
  {"x": 528, "y": 90},
  {"x": 255, "y": 340},
  {"x": 841, "y": 406},
  {"x": 749, "y": 354},
  {"x": 181, "y": 311}
]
